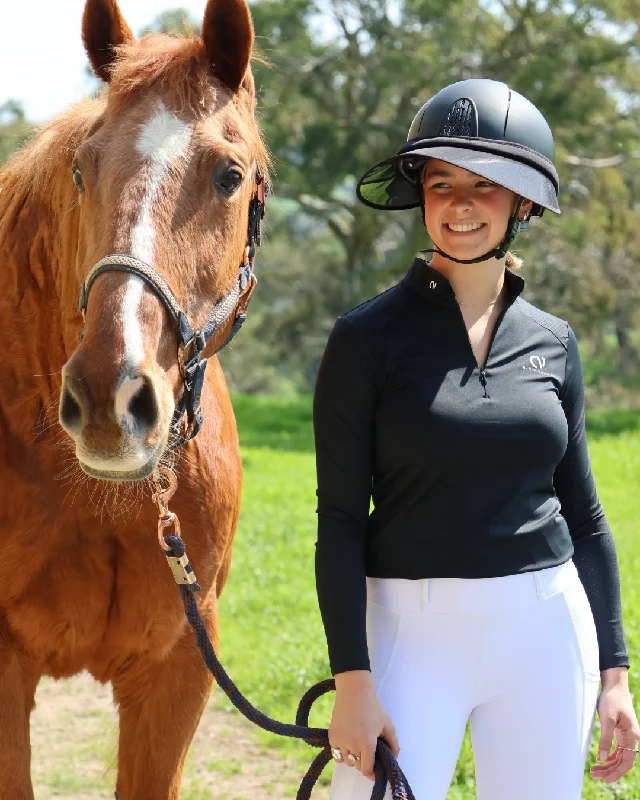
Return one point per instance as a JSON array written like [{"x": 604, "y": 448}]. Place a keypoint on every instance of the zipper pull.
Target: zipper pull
[{"x": 483, "y": 381}]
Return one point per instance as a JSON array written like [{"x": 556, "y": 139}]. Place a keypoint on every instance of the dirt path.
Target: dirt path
[{"x": 74, "y": 734}]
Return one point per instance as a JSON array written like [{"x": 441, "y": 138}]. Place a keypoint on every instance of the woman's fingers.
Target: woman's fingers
[
  {"x": 389, "y": 735},
  {"x": 367, "y": 758},
  {"x": 617, "y": 765},
  {"x": 337, "y": 753}
]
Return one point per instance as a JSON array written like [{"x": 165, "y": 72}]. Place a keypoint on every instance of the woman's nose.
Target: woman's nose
[{"x": 462, "y": 198}]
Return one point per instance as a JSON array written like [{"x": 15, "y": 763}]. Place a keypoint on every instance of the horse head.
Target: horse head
[{"x": 165, "y": 178}]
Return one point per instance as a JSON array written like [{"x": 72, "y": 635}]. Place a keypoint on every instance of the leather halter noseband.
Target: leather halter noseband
[{"x": 191, "y": 342}]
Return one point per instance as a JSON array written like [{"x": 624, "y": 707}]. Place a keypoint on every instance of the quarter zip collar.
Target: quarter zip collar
[{"x": 426, "y": 281}]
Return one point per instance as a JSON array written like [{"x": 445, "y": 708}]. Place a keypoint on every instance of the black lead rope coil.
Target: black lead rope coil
[{"x": 386, "y": 767}]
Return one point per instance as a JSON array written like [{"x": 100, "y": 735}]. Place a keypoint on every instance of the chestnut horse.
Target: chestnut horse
[{"x": 162, "y": 168}]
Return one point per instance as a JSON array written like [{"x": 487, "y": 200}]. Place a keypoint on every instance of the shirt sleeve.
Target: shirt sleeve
[
  {"x": 343, "y": 420},
  {"x": 594, "y": 547}
]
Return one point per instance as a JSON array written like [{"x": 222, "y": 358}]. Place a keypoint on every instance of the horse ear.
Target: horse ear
[
  {"x": 227, "y": 32},
  {"x": 103, "y": 28}
]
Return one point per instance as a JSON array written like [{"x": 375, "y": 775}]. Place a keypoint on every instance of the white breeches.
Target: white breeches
[{"x": 517, "y": 655}]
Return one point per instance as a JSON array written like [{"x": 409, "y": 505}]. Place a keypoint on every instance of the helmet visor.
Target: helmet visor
[{"x": 395, "y": 182}]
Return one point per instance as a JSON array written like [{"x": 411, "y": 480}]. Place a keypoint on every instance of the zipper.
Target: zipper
[
  {"x": 483, "y": 381},
  {"x": 482, "y": 375}
]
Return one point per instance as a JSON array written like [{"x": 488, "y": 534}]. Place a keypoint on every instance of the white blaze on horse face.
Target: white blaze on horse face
[
  {"x": 129, "y": 388},
  {"x": 162, "y": 141}
]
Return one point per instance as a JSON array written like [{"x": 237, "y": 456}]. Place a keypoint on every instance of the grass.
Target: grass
[{"x": 272, "y": 639}]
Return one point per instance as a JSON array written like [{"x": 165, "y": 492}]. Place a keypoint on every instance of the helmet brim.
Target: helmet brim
[{"x": 395, "y": 182}]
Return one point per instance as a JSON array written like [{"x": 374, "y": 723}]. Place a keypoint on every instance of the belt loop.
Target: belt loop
[
  {"x": 539, "y": 586},
  {"x": 426, "y": 600}
]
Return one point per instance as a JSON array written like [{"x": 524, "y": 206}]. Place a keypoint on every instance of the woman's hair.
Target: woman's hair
[{"x": 513, "y": 261}]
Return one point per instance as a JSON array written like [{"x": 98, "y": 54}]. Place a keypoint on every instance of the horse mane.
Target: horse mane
[
  {"x": 180, "y": 63},
  {"x": 31, "y": 170}
]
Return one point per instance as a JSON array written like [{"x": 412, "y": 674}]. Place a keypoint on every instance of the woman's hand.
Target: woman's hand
[
  {"x": 617, "y": 719},
  {"x": 358, "y": 719}
]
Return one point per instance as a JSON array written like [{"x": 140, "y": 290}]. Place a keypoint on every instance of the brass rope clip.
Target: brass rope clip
[
  {"x": 161, "y": 498},
  {"x": 180, "y": 566}
]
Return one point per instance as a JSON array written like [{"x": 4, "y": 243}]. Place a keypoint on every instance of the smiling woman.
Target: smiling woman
[{"x": 483, "y": 586}]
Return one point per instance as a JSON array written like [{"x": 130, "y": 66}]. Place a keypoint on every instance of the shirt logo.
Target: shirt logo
[
  {"x": 536, "y": 364},
  {"x": 433, "y": 285}
]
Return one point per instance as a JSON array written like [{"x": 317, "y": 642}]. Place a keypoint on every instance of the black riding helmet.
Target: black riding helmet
[{"x": 482, "y": 126}]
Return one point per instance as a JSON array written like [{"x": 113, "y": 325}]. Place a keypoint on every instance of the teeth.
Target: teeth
[{"x": 462, "y": 228}]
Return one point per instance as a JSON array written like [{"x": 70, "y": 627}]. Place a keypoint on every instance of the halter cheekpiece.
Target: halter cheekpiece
[{"x": 191, "y": 342}]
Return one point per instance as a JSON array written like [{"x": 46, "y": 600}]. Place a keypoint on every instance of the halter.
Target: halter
[{"x": 191, "y": 342}]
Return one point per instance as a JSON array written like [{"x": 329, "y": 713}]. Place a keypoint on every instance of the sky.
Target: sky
[{"x": 42, "y": 60}]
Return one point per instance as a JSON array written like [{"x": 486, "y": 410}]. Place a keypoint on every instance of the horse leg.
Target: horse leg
[
  {"x": 160, "y": 705},
  {"x": 17, "y": 700}
]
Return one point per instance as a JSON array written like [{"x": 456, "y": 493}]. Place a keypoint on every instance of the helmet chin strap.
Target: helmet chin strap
[{"x": 514, "y": 227}]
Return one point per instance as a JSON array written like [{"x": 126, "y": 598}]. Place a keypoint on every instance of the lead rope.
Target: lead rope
[{"x": 386, "y": 767}]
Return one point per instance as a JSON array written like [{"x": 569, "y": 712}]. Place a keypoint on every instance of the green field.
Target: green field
[{"x": 272, "y": 641}]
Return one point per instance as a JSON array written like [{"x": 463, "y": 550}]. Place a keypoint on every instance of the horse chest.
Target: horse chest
[{"x": 90, "y": 607}]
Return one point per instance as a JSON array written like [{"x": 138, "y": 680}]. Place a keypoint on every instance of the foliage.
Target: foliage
[
  {"x": 339, "y": 82},
  {"x": 338, "y": 98},
  {"x": 14, "y": 129}
]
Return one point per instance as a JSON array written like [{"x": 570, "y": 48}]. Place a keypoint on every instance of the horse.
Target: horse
[{"x": 154, "y": 180}]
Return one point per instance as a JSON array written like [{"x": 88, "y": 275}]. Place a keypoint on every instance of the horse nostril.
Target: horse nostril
[
  {"x": 70, "y": 412},
  {"x": 143, "y": 407}
]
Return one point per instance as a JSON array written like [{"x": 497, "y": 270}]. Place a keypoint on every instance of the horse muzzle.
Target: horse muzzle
[{"x": 118, "y": 425}]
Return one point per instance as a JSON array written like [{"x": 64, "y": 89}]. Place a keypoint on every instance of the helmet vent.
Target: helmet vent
[{"x": 461, "y": 120}]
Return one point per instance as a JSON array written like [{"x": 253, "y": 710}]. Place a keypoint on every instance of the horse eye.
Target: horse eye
[
  {"x": 77, "y": 176},
  {"x": 230, "y": 181}
]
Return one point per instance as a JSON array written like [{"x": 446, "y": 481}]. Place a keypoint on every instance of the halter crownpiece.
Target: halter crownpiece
[{"x": 192, "y": 342}]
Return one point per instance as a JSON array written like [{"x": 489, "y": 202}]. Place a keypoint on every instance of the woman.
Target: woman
[{"x": 484, "y": 584}]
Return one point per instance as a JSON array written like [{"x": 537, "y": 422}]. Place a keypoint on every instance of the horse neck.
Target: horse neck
[{"x": 39, "y": 223}]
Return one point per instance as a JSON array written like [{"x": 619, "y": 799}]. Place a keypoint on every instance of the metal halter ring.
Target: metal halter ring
[
  {"x": 353, "y": 758},
  {"x": 336, "y": 753}
]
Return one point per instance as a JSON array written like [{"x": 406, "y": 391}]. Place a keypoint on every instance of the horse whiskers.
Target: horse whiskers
[
  {"x": 44, "y": 422},
  {"x": 116, "y": 500},
  {"x": 67, "y": 472},
  {"x": 72, "y": 206},
  {"x": 79, "y": 484}
]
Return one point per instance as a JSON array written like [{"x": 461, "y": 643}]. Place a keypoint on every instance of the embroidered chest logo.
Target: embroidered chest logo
[{"x": 536, "y": 364}]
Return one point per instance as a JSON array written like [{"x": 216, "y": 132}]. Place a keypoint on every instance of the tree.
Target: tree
[
  {"x": 14, "y": 128},
  {"x": 340, "y": 97}
]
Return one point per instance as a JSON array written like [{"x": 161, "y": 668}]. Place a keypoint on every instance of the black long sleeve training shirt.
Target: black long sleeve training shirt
[{"x": 474, "y": 472}]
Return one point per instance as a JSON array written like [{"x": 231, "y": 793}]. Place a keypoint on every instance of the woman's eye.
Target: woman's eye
[
  {"x": 230, "y": 181},
  {"x": 77, "y": 176}
]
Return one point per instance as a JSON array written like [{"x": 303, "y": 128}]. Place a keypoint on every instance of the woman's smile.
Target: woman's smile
[{"x": 463, "y": 228}]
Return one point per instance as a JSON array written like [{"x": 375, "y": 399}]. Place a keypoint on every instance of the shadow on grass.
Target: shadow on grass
[
  {"x": 612, "y": 423},
  {"x": 277, "y": 423}
]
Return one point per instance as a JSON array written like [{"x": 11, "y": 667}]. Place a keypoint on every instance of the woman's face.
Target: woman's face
[{"x": 466, "y": 215}]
